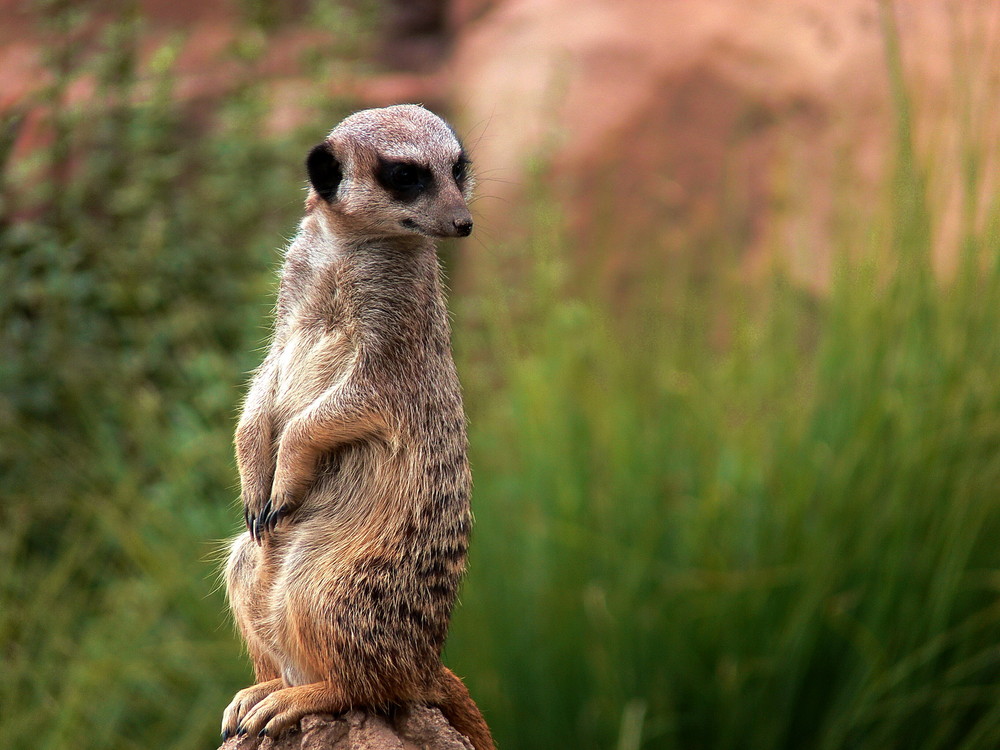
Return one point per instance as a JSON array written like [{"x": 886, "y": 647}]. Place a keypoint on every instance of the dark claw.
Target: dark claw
[
  {"x": 225, "y": 735},
  {"x": 255, "y": 531},
  {"x": 241, "y": 732},
  {"x": 265, "y": 514},
  {"x": 275, "y": 515},
  {"x": 273, "y": 519},
  {"x": 262, "y": 732},
  {"x": 283, "y": 511}
]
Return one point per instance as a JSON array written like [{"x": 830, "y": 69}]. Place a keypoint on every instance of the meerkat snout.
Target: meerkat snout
[
  {"x": 393, "y": 171},
  {"x": 463, "y": 227}
]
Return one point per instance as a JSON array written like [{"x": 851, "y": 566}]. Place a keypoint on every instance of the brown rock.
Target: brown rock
[
  {"x": 413, "y": 728},
  {"x": 675, "y": 124},
  {"x": 672, "y": 124}
]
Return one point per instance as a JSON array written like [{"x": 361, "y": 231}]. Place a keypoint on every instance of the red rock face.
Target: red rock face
[
  {"x": 684, "y": 121},
  {"x": 671, "y": 124}
]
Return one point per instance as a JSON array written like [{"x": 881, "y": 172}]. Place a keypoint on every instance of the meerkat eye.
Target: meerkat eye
[
  {"x": 404, "y": 176},
  {"x": 404, "y": 180},
  {"x": 459, "y": 171}
]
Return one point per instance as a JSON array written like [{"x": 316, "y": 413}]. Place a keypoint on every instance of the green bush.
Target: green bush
[{"x": 137, "y": 253}]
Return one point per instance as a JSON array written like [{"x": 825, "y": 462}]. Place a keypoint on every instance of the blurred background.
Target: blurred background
[{"x": 728, "y": 329}]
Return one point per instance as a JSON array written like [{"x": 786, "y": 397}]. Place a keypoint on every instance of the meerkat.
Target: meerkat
[{"x": 352, "y": 442}]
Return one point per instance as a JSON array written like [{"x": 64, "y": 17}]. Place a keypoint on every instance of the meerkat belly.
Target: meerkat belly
[
  {"x": 362, "y": 493},
  {"x": 353, "y": 557},
  {"x": 367, "y": 508}
]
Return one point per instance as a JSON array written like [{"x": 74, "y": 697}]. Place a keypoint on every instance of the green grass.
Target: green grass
[
  {"x": 717, "y": 514},
  {"x": 780, "y": 537},
  {"x": 788, "y": 541}
]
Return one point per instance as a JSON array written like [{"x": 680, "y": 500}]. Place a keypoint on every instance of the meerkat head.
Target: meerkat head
[{"x": 395, "y": 171}]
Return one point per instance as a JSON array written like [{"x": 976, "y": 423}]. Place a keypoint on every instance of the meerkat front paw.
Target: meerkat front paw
[
  {"x": 255, "y": 456},
  {"x": 277, "y": 508},
  {"x": 257, "y": 508},
  {"x": 256, "y": 501},
  {"x": 293, "y": 475}
]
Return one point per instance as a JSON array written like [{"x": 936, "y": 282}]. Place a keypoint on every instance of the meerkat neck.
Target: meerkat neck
[
  {"x": 389, "y": 287},
  {"x": 413, "y": 254},
  {"x": 392, "y": 288}
]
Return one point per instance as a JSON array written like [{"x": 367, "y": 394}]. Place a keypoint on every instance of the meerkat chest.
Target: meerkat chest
[{"x": 309, "y": 363}]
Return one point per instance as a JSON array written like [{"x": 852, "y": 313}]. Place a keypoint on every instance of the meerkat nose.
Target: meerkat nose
[{"x": 463, "y": 227}]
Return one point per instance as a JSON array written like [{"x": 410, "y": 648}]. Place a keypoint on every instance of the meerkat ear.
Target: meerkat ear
[{"x": 324, "y": 171}]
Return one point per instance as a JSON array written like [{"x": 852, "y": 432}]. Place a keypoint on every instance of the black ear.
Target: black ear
[{"x": 324, "y": 171}]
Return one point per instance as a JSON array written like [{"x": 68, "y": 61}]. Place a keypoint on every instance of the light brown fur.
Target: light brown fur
[{"x": 352, "y": 442}]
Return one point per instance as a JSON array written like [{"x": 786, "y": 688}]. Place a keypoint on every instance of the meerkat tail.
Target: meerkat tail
[{"x": 462, "y": 712}]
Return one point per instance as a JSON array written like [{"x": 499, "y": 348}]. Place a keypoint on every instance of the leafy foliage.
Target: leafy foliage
[{"x": 135, "y": 281}]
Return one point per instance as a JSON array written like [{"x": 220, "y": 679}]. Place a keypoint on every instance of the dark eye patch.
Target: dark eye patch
[
  {"x": 461, "y": 169},
  {"x": 404, "y": 180}
]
